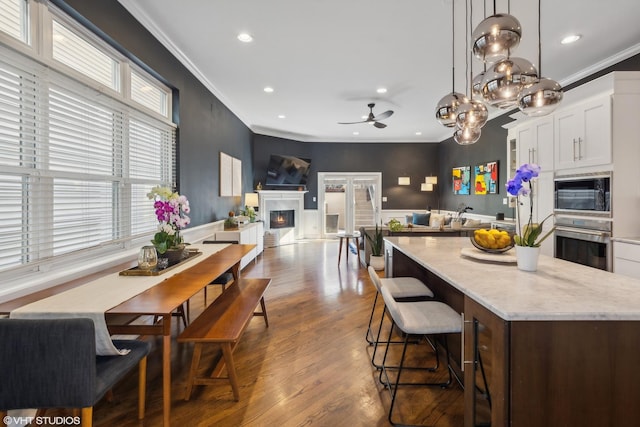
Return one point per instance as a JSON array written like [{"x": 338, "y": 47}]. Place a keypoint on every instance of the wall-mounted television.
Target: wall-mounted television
[{"x": 287, "y": 171}]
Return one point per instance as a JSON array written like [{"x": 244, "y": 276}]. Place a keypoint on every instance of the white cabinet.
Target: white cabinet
[
  {"x": 583, "y": 134},
  {"x": 250, "y": 234},
  {"x": 626, "y": 259},
  {"x": 534, "y": 139}
]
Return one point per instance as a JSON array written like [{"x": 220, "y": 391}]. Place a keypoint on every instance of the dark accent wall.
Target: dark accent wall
[
  {"x": 206, "y": 126},
  {"x": 392, "y": 159},
  {"x": 492, "y": 146}
]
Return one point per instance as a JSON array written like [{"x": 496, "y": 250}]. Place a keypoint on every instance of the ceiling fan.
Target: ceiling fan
[{"x": 371, "y": 119}]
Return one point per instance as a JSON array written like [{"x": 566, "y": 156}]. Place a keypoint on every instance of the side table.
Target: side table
[{"x": 346, "y": 236}]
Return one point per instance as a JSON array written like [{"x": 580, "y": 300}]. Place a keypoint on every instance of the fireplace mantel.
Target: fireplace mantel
[{"x": 282, "y": 200}]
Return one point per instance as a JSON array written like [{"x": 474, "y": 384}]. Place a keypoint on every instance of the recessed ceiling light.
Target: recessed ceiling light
[
  {"x": 282, "y": 116},
  {"x": 268, "y": 89},
  {"x": 356, "y": 133},
  {"x": 572, "y": 38},
  {"x": 418, "y": 133},
  {"x": 381, "y": 90},
  {"x": 245, "y": 38}
]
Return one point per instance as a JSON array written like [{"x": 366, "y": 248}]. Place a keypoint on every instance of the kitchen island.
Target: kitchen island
[{"x": 558, "y": 347}]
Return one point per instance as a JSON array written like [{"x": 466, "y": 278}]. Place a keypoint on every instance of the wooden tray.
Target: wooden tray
[{"x": 135, "y": 271}]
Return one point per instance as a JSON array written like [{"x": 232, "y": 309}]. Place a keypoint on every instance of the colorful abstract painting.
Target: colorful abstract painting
[
  {"x": 486, "y": 178},
  {"x": 461, "y": 180}
]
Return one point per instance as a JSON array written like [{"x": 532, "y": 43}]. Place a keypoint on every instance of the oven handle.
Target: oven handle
[{"x": 581, "y": 234}]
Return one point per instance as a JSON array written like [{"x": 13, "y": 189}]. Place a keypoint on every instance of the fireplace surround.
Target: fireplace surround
[{"x": 289, "y": 202}]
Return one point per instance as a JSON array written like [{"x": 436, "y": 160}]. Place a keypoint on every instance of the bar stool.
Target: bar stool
[
  {"x": 400, "y": 288},
  {"x": 421, "y": 318}
]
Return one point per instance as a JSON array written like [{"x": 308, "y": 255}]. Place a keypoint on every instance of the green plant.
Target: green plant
[{"x": 376, "y": 241}]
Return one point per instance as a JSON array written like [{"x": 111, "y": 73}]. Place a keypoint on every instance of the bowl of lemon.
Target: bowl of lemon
[{"x": 492, "y": 240}]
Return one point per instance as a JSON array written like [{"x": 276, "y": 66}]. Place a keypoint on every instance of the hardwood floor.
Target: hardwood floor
[{"x": 310, "y": 367}]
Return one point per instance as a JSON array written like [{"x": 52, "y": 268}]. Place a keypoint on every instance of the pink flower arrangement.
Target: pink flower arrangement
[{"x": 170, "y": 209}]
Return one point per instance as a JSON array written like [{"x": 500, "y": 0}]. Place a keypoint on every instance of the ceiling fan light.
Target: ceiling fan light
[
  {"x": 504, "y": 80},
  {"x": 495, "y": 37},
  {"x": 447, "y": 108},
  {"x": 472, "y": 114},
  {"x": 467, "y": 136},
  {"x": 540, "y": 98}
]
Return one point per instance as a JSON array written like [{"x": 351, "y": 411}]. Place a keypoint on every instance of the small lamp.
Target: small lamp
[
  {"x": 404, "y": 180},
  {"x": 251, "y": 199}
]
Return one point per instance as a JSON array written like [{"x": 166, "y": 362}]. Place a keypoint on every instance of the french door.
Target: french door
[{"x": 348, "y": 200}]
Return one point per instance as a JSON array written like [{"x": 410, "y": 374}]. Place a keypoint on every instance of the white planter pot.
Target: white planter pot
[
  {"x": 527, "y": 257},
  {"x": 377, "y": 262},
  {"x": 456, "y": 225}
]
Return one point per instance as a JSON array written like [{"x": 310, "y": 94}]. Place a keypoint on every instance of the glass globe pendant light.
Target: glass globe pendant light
[
  {"x": 504, "y": 80},
  {"x": 476, "y": 85},
  {"x": 541, "y": 97},
  {"x": 495, "y": 37},
  {"x": 447, "y": 108},
  {"x": 473, "y": 114},
  {"x": 467, "y": 136}
]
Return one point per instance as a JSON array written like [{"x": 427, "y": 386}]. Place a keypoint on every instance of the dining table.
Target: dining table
[{"x": 160, "y": 298}]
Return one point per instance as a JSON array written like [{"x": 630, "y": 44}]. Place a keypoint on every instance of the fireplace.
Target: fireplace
[
  {"x": 283, "y": 215},
  {"x": 282, "y": 218}
]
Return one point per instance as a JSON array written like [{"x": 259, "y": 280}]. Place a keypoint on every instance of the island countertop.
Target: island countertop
[{"x": 559, "y": 290}]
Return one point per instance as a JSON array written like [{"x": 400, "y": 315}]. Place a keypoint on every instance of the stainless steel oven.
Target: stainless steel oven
[
  {"x": 583, "y": 194},
  {"x": 586, "y": 241}
]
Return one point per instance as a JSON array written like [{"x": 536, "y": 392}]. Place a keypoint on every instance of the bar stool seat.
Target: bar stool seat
[
  {"x": 400, "y": 288},
  {"x": 417, "y": 318}
]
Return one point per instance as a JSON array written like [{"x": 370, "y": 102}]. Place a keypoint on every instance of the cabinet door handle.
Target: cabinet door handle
[
  {"x": 465, "y": 324},
  {"x": 533, "y": 156},
  {"x": 574, "y": 149},
  {"x": 579, "y": 148}
]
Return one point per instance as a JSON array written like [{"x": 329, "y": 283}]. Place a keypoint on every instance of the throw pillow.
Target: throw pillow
[
  {"x": 471, "y": 223},
  {"x": 436, "y": 220},
  {"x": 421, "y": 219}
]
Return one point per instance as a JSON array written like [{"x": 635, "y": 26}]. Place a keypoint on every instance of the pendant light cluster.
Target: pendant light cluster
[{"x": 508, "y": 82}]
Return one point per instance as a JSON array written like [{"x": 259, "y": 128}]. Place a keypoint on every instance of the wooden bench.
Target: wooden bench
[{"x": 223, "y": 323}]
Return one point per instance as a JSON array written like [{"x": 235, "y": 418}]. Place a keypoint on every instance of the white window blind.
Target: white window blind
[
  {"x": 72, "y": 50},
  {"x": 149, "y": 94},
  {"x": 75, "y": 164},
  {"x": 14, "y": 19}
]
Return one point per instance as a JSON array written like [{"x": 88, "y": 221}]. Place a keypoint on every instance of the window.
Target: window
[
  {"x": 14, "y": 19},
  {"x": 76, "y": 164}
]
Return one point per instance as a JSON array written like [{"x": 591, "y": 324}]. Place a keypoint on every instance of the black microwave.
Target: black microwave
[{"x": 588, "y": 194}]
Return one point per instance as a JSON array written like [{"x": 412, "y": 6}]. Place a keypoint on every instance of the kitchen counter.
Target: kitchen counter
[
  {"x": 559, "y": 290},
  {"x": 556, "y": 347}
]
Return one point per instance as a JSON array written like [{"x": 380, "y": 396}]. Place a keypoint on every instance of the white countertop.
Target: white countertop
[{"x": 559, "y": 290}]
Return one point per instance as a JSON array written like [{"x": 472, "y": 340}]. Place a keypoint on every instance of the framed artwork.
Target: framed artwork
[
  {"x": 486, "y": 178},
  {"x": 226, "y": 177},
  {"x": 461, "y": 180},
  {"x": 230, "y": 176}
]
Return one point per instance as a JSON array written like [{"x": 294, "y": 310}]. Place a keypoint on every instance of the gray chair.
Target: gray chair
[{"x": 52, "y": 363}]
